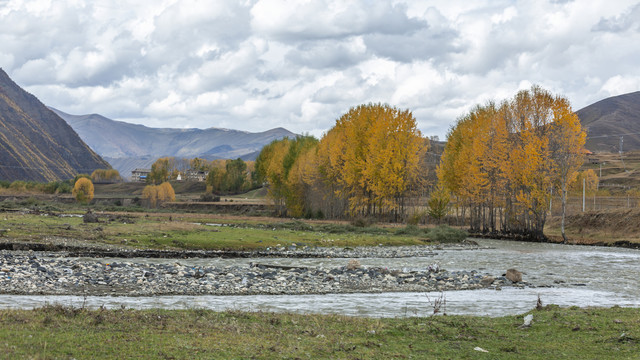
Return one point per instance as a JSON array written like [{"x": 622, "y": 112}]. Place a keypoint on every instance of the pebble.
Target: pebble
[{"x": 28, "y": 274}]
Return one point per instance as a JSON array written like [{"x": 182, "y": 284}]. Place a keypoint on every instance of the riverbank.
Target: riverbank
[
  {"x": 570, "y": 333},
  {"x": 28, "y": 273},
  {"x": 617, "y": 227}
]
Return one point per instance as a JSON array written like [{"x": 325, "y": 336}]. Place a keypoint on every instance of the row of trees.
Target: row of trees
[
  {"x": 222, "y": 176},
  {"x": 503, "y": 162},
  {"x": 368, "y": 164},
  {"x": 106, "y": 176}
]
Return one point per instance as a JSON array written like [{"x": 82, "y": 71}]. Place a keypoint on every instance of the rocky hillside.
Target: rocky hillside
[
  {"x": 608, "y": 119},
  {"x": 35, "y": 143},
  {"x": 127, "y": 146}
]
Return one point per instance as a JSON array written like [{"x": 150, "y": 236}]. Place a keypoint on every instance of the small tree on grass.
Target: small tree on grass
[
  {"x": 155, "y": 195},
  {"x": 438, "y": 203},
  {"x": 83, "y": 190}
]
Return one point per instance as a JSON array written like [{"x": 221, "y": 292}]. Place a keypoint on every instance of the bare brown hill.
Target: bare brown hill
[
  {"x": 35, "y": 143},
  {"x": 610, "y": 118}
]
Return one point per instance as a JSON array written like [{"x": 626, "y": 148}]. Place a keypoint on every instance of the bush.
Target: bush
[
  {"x": 416, "y": 217},
  {"x": 409, "y": 230},
  {"x": 296, "y": 225},
  {"x": 209, "y": 197},
  {"x": 361, "y": 222},
  {"x": 447, "y": 234}
]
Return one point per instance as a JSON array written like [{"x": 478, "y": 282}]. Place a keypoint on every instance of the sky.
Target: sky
[{"x": 254, "y": 65}]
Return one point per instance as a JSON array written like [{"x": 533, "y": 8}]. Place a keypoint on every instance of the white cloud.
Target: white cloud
[{"x": 259, "y": 64}]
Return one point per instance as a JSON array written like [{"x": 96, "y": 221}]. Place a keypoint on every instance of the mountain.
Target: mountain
[
  {"x": 35, "y": 143},
  {"x": 608, "y": 119},
  {"x": 128, "y": 146}
]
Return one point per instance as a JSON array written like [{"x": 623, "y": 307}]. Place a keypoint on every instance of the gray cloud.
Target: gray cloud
[
  {"x": 258, "y": 64},
  {"x": 629, "y": 20}
]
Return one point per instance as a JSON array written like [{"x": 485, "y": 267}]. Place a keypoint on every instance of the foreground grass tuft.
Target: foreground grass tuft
[{"x": 62, "y": 332}]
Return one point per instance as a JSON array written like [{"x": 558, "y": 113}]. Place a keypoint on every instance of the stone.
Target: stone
[
  {"x": 90, "y": 217},
  {"x": 514, "y": 275},
  {"x": 487, "y": 280}
]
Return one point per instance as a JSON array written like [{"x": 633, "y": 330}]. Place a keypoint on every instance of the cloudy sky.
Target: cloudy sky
[{"x": 258, "y": 64}]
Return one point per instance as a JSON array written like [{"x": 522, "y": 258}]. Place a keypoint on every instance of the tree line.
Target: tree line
[
  {"x": 368, "y": 164},
  {"x": 501, "y": 165},
  {"x": 221, "y": 176}
]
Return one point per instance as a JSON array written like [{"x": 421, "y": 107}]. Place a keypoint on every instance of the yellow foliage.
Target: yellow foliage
[
  {"x": 510, "y": 157},
  {"x": 155, "y": 195},
  {"x": 83, "y": 190},
  {"x": 372, "y": 154}
]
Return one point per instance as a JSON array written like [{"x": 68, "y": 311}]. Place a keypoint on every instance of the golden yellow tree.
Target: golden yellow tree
[
  {"x": 509, "y": 158},
  {"x": 150, "y": 195},
  {"x": 83, "y": 190},
  {"x": 567, "y": 145},
  {"x": 155, "y": 195},
  {"x": 371, "y": 156}
]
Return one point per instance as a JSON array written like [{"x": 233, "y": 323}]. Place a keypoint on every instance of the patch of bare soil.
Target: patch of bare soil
[{"x": 618, "y": 227}]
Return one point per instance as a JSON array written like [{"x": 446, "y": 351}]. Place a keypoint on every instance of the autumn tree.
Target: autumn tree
[
  {"x": 371, "y": 157},
  {"x": 83, "y": 190},
  {"x": 277, "y": 165},
  {"x": 502, "y": 162},
  {"x": 105, "y": 175},
  {"x": 162, "y": 170},
  {"x": 566, "y": 146},
  {"x": 155, "y": 195},
  {"x": 588, "y": 178}
]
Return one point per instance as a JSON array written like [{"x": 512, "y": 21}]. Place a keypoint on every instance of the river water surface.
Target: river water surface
[{"x": 562, "y": 274}]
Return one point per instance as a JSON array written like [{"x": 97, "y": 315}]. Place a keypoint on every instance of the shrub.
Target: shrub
[
  {"x": 209, "y": 197},
  {"x": 409, "y": 230},
  {"x": 447, "y": 234},
  {"x": 361, "y": 222}
]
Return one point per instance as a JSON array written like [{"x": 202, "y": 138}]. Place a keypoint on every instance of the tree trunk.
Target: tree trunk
[{"x": 564, "y": 210}]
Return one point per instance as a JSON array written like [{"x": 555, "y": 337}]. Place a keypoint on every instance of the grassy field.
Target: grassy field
[
  {"x": 202, "y": 231},
  {"x": 56, "y": 332}
]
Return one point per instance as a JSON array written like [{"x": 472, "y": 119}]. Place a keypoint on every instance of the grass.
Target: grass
[
  {"x": 58, "y": 332},
  {"x": 197, "y": 231}
]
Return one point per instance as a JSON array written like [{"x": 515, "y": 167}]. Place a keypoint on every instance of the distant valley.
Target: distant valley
[{"x": 128, "y": 146}]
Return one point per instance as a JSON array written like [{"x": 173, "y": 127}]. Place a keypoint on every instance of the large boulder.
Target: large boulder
[{"x": 514, "y": 275}]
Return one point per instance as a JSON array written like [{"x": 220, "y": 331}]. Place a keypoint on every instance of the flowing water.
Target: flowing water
[{"x": 564, "y": 275}]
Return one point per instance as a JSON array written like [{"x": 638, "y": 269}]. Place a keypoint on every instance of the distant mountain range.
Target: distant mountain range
[
  {"x": 608, "y": 119},
  {"x": 35, "y": 143},
  {"x": 128, "y": 146}
]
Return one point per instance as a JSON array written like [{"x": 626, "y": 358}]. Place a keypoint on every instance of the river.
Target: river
[{"x": 565, "y": 275}]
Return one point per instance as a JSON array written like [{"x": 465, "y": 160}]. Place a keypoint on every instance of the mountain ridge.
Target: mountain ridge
[
  {"x": 608, "y": 119},
  {"x": 128, "y": 146},
  {"x": 35, "y": 143}
]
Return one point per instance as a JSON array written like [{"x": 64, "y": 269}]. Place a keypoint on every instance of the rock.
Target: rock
[
  {"x": 514, "y": 275},
  {"x": 353, "y": 264},
  {"x": 487, "y": 280},
  {"x": 90, "y": 217}
]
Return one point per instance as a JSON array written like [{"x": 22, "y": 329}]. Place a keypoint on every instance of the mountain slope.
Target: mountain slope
[
  {"x": 128, "y": 146},
  {"x": 608, "y": 119},
  {"x": 35, "y": 143}
]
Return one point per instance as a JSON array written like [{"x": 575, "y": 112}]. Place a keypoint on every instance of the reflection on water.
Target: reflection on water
[{"x": 577, "y": 275}]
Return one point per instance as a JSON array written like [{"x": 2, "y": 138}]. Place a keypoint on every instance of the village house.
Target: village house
[
  {"x": 193, "y": 175},
  {"x": 140, "y": 175}
]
